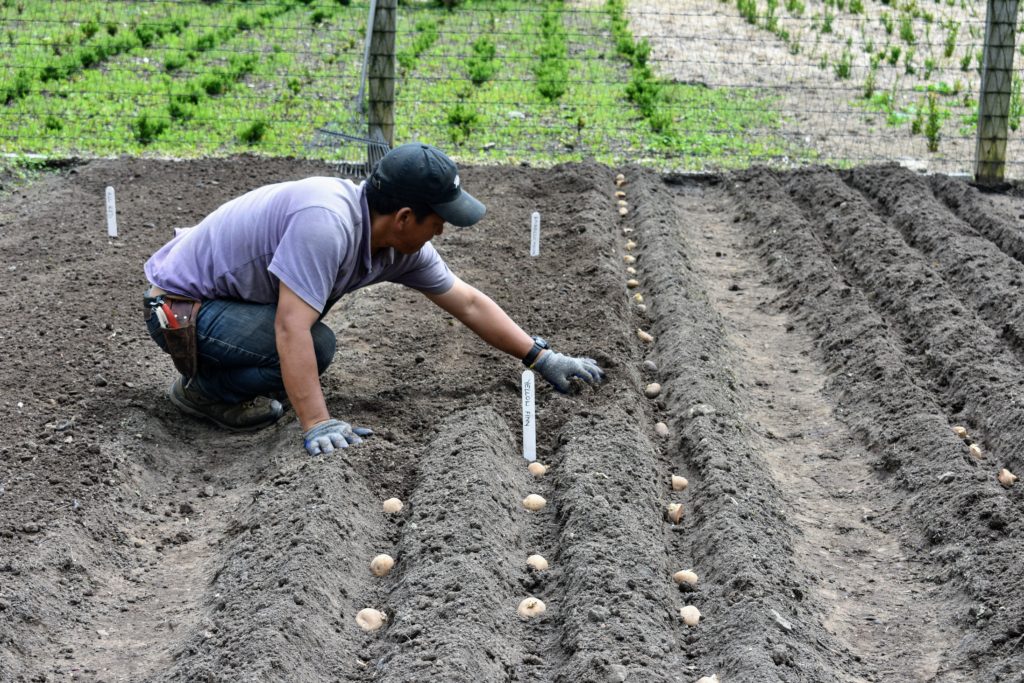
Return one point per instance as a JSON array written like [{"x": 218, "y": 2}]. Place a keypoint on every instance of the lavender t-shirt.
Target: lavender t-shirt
[{"x": 311, "y": 234}]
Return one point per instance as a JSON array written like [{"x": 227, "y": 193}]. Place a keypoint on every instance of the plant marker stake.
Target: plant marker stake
[
  {"x": 529, "y": 418},
  {"x": 535, "y": 234},
  {"x": 111, "y": 214}
]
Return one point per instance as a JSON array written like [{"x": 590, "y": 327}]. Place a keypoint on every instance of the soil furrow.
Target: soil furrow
[
  {"x": 950, "y": 501},
  {"x": 992, "y": 216},
  {"x": 830, "y": 488},
  {"x": 461, "y": 560},
  {"x": 741, "y": 540},
  {"x": 984, "y": 278},
  {"x": 978, "y": 379},
  {"x": 285, "y": 572},
  {"x": 619, "y": 607}
]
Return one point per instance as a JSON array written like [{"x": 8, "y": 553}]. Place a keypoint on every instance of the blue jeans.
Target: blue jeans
[{"x": 237, "y": 350}]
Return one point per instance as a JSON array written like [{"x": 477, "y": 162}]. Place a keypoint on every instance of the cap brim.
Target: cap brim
[{"x": 463, "y": 211}]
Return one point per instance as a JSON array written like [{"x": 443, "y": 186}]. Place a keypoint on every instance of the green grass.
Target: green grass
[{"x": 471, "y": 81}]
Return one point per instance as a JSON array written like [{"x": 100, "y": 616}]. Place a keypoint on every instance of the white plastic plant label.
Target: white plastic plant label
[
  {"x": 111, "y": 214},
  {"x": 535, "y": 234},
  {"x": 529, "y": 418}
]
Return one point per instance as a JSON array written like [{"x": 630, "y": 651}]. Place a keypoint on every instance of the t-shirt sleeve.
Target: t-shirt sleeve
[
  {"x": 427, "y": 272},
  {"x": 309, "y": 254}
]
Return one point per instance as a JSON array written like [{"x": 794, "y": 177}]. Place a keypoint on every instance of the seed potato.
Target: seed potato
[
  {"x": 674, "y": 512},
  {"x": 537, "y": 469},
  {"x": 1006, "y": 478},
  {"x": 530, "y": 608},
  {"x": 690, "y": 615},
  {"x": 370, "y": 619},
  {"x": 533, "y": 502},
  {"x": 686, "y": 576},
  {"x": 381, "y": 565},
  {"x": 537, "y": 563}
]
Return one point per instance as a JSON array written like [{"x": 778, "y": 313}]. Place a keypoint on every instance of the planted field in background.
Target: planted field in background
[
  {"x": 493, "y": 80},
  {"x": 912, "y": 65},
  {"x": 565, "y": 89}
]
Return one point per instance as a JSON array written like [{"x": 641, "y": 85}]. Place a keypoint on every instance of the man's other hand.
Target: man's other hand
[{"x": 325, "y": 436}]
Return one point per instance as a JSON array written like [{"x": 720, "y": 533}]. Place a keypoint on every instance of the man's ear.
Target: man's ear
[{"x": 404, "y": 216}]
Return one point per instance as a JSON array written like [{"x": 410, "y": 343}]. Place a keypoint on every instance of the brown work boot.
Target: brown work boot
[{"x": 237, "y": 417}]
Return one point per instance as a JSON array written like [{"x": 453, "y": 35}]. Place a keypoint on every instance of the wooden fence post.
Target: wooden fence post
[
  {"x": 996, "y": 86},
  {"x": 381, "y": 115}
]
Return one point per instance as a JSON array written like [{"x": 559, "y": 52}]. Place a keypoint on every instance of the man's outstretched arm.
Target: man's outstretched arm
[{"x": 478, "y": 312}]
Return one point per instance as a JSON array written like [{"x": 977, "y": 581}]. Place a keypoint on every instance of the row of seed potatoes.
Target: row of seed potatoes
[
  {"x": 1005, "y": 477},
  {"x": 674, "y": 512}
]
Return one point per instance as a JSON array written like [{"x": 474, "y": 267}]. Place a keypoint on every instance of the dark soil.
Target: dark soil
[{"x": 817, "y": 336}]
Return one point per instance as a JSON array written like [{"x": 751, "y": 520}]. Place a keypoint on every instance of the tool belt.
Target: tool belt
[{"x": 177, "y": 317}]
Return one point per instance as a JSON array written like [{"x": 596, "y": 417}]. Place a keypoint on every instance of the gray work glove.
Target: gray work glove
[
  {"x": 324, "y": 437},
  {"x": 558, "y": 369}
]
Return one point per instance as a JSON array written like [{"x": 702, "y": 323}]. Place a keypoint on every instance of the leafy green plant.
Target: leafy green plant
[
  {"x": 949, "y": 45},
  {"x": 147, "y": 129},
  {"x": 748, "y": 10},
  {"x": 887, "y": 24},
  {"x": 552, "y": 71},
  {"x": 857, "y": 6},
  {"x": 844, "y": 64},
  {"x": 19, "y": 87},
  {"x": 894, "y": 54},
  {"x": 870, "y": 79},
  {"x": 482, "y": 64},
  {"x": 461, "y": 119},
  {"x": 826, "y": 21},
  {"x": 917, "y": 123},
  {"x": 795, "y": 7},
  {"x": 771, "y": 19},
  {"x": 929, "y": 68},
  {"x": 1016, "y": 104},
  {"x": 425, "y": 37},
  {"x": 907, "y": 29},
  {"x": 90, "y": 28},
  {"x": 933, "y": 123},
  {"x": 254, "y": 132}
]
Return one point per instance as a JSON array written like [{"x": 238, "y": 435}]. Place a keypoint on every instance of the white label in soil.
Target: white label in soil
[
  {"x": 535, "y": 234},
  {"x": 111, "y": 214},
  {"x": 529, "y": 418}
]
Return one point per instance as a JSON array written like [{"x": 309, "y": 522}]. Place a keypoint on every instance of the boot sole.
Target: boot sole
[{"x": 188, "y": 409}]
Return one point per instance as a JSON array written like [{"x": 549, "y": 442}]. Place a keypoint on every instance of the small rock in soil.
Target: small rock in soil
[
  {"x": 947, "y": 477},
  {"x": 782, "y": 623},
  {"x": 650, "y": 366},
  {"x": 617, "y": 673},
  {"x": 661, "y": 429},
  {"x": 652, "y": 390},
  {"x": 31, "y": 528},
  {"x": 598, "y": 614},
  {"x": 701, "y": 409}
]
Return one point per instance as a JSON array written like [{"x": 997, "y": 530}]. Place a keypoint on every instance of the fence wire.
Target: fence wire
[{"x": 679, "y": 84}]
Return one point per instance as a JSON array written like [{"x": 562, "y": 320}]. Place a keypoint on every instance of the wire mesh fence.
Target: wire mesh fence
[{"x": 679, "y": 84}]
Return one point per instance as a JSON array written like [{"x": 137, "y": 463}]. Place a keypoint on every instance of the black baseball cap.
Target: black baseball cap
[{"x": 421, "y": 173}]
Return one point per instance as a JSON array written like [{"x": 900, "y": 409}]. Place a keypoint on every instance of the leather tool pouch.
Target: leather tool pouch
[{"x": 181, "y": 340}]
